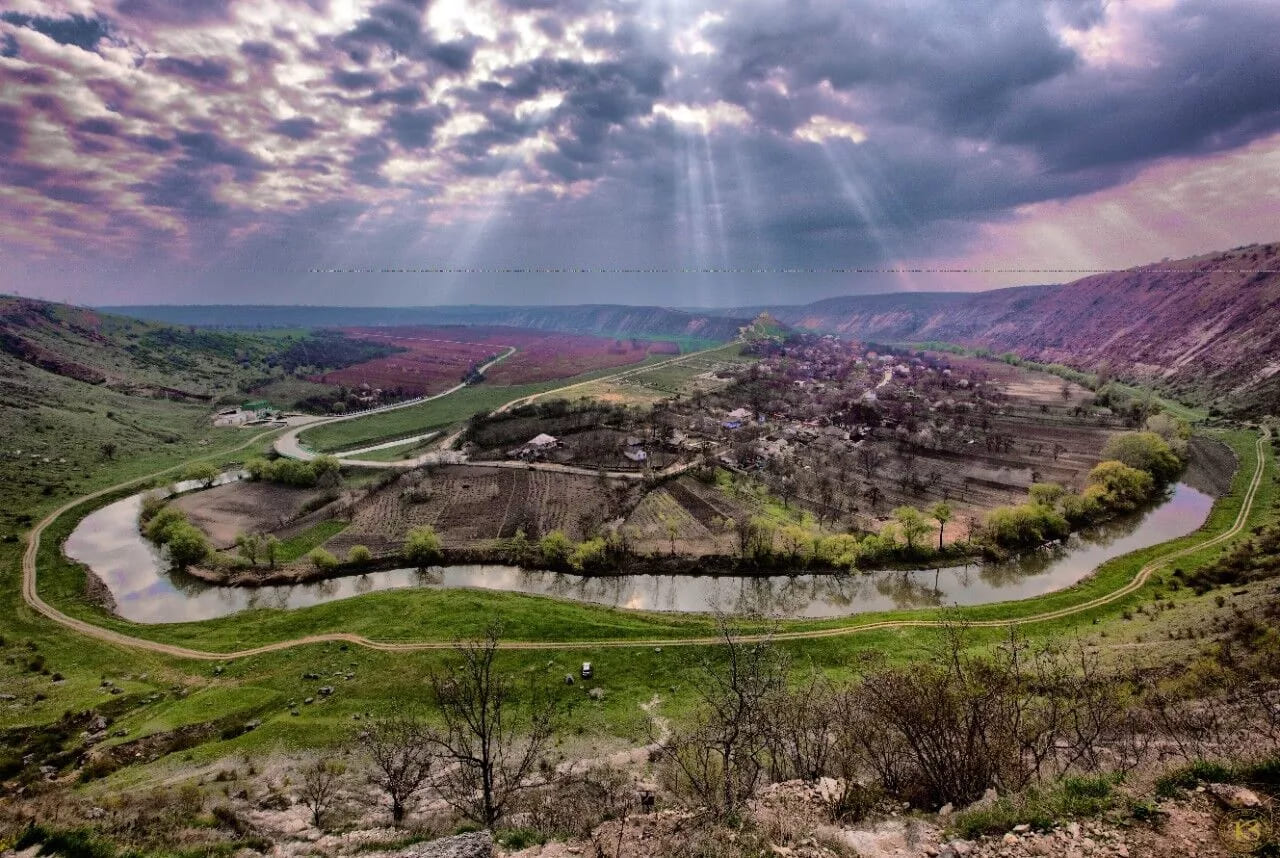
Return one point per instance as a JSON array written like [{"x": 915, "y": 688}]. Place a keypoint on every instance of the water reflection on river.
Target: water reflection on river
[{"x": 108, "y": 542}]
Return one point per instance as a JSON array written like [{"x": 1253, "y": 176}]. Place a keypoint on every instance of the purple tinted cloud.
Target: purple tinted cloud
[{"x": 213, "y": 137}]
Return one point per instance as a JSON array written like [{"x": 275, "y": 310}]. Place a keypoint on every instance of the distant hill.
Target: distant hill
[
  {"x": 604, "y": 319},
  {"x": 1207, "y": 328}
]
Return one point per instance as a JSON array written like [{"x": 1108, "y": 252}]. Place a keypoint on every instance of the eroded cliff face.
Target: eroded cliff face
[{"x": 1208, "y": 327}]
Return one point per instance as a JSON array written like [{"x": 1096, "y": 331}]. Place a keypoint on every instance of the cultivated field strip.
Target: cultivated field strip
[{"x": 32, "y": 597}]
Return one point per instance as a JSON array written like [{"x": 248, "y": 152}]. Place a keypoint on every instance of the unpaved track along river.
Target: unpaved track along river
[{"x": 32, "y": 597}]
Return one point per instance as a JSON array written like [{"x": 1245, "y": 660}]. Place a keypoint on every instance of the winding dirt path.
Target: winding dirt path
[{"x": 32, "y": 597}]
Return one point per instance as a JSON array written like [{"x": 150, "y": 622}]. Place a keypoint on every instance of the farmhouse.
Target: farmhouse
[
  {"x": 233, "y": 417},
  {"x": 535, "y": 447}
]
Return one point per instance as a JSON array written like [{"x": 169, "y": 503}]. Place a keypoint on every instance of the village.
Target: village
[
  {"x": 837, "y": 430},
  {"x": 807, "y": 441}
]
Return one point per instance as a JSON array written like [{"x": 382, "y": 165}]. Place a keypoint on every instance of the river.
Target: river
[{"x": 146, "y": 591}]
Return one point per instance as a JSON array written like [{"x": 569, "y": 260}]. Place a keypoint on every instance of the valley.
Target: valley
[{"x": 846, "y": 500}]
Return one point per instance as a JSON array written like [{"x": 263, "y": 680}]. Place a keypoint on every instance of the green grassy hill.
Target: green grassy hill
[{"x": 80, "y": 389}]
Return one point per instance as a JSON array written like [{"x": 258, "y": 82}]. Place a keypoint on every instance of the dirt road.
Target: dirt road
[
  {"x": 290, "y": 447},
  {"x": 32, "y": 597}
]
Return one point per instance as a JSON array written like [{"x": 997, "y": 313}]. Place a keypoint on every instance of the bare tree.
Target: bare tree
[
  {"x": 489, "y": 751},
  {"x": 869, "y": 460},
  {"x": 721, "y": 759},
  {"x": 321, "y": 787},
  {"x": 401, "y": 760}
]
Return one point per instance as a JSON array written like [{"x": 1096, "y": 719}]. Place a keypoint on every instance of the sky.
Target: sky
[{"x": 690, "y": 153}]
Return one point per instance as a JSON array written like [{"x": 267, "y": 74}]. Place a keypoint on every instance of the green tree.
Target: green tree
[
  {"x": 201, "y": 472},
  {"x": 322, "y": 560},
  {"x": 555, "y": 548},
  {"x": 422, "y": 546},
  {"x": 359, "y": 555},
  {"x": 1046, "y": 494},
  {"x": 1119, "y": 487},
  {"x": 249, "y": 546},
  {"x": 270, "y": 550},
  {"x": 187, "y": 546},
  {"x": 912, "y": 523},
  {"x": 162, "y": 522},
  {"x": 1146, "y": 451},
  {"x": 260, "y": 468},
  {"x": 589, "y": 554},
  {"x": 1175, "y": 431},
  {"x": 327, "y": 470},
  {"x": 941, "y": 513}
]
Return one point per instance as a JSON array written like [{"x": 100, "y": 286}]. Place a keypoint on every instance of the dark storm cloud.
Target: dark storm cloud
[
  {"x": 773, "y": 132},
  {"x": 962, "y": 63},
  {"x": 397, "y": 26},
  {"x": 153, "y": 143},
  {"x": 198, "y": 70},
  {"x": 189, "y": 192},
  {"x": 205, "y": 149},
  {"x": 355, "y": 79},
  {"x": 1217, "y": 86},
  {"x": 11, "y": 130},
  {"x": 297, "y": 128},
  {"x": 98, "y": 126},
  {"x": 407, "y": 95},
  {"x": 261, "y": 52},
  {"x": 78, "y": 30},
  {"x": 368, "y": 156},
  {"x": 414, "y": 129},
  {"x": 176, "y": 12}
]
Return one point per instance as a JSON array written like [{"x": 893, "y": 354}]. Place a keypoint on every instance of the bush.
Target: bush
[
  {"x": 1118, "y": 487},
  {"x": 322, "y": 470},
  {"x": 322, "y": 560},
  {"x": 1145, "y": 451},
  {"x": 1024, "y": 525},
  {"x": 187, "y": 545},
  {"x": 201, "y": 472},
  {"x": 162, "y": 522},
  {"x": 422, "y": 546},
  {"x": 359, "y": 555},
  {"x": 556, "y": 549},
  {"x": 589, "y": 554}
]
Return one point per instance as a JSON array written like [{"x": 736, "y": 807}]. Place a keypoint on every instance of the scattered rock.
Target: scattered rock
[
  {"x": 1234, "y": 796},
  {"x": 475, "y": 844}
]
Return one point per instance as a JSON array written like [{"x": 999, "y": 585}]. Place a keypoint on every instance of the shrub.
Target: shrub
[
  {"x": 589, "y": 554},
  {"x": 359, "y": 555},
  {"x": 1023, "y": 525},
  {"x": 422, "y": 546},
  {"x": 322, "y": 560},
  {"x": 1145, "y": 451},
  {"x": 162, "y": 522},
  {"x": 556, "y": 548},
  {"x": 1046, "y": 494},
  {"x": 1118, "y": 487},
  {"x": 187, "y": 545},
  {"x": 201, "y": 472}
]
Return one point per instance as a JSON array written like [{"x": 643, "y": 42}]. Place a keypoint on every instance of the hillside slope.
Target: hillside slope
[{"x": 1207, "y": 327}]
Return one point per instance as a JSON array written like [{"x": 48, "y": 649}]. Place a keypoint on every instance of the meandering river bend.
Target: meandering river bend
[{"x": 146, "y": 591}]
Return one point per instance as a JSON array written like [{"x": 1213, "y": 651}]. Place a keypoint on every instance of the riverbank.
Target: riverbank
[{"x": 407, "y": 620}]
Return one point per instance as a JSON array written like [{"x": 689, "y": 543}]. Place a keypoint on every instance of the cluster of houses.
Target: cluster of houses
[{"x": 250, "y": 412}]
